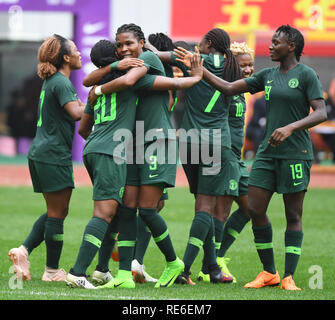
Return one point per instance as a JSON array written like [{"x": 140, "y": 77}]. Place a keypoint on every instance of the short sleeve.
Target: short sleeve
[
  {"x": 65, "y": 92},
  {"x": 313, "y": 86},
  {"x": 145, "y": 83},
  {"x": 256, "y": 82}
]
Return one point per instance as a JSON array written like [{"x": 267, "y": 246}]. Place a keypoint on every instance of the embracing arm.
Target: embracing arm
[
  {"x": 119, "y": 84},
  {"x": 164, "y": 56},
  {"x": 165, "y": 83},
  {"x": 95, "y": 76},
  {"x": 318, "y": 115}
]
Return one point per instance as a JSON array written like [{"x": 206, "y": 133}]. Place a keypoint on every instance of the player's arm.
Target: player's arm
[
  {"x": 164, "y": 56},
  {"x": 227, "y": 88},
  {"x": 122, "y": 83},
  {"x": 196, "y": 72},
  {"x": 75, "y": 109},
  {"x": 318, "y": 115},
  {"x": 95, "y": 76},
  {"x": 86, "y": 125}
]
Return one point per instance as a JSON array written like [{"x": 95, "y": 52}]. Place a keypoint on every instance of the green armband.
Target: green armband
[{"x": 113, "y": 66}]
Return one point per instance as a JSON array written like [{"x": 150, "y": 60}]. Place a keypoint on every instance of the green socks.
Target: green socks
[
  {"x": 264, "y": 246},
  {"x": 201, "y": 224},
  {"x": 53, "y": 241},
  {"x": 159, "y": 232},
  {"x": 293, "y": 241},
  {"x": 107, "y": 245},
  {"x": 36, "y": 235},
  {"x": 142, "y": 241},
  {"x": 93, "y": 236},
  {"x": 234, "y": 225},
  {"x": 127, "y": 236}
]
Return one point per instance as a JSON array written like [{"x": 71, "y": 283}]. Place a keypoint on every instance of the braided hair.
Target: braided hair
[
  {"x": 102, "y": 54},
  {"x": 133, "y": 28},
  {"x": 220, "y": 41},
  {"x": 161, "y": 41},
  {"x": 294, "y": 36},
  {"x": 51, "y": 55}
]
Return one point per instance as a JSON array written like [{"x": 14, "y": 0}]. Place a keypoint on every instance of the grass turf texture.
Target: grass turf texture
[{"x": 20, "y": 207}]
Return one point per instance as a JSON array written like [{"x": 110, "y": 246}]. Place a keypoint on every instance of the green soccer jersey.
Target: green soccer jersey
[
  {"x": 205, "y": 107},
  {"x": 153, "y": 106},
  {"x": 114, "y": 117},
  {"x": 55, "y": 127},
  {"x": 236, "y": 118},
  {"x": 288, "y": 99}
]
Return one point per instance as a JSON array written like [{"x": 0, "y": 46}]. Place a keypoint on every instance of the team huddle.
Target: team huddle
[{"x": 134, "y": 86}]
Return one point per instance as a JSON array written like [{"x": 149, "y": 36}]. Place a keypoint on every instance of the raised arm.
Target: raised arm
[
  {"x": 164, "y": 56},
  {"x": 318, "y": 115},
  {"x": 196, "y": 72}
]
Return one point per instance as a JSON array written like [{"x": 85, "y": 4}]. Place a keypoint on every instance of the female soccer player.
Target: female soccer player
[
  {"x": 129, "y": 41},
  {"x": 50, "y": 156},
  {"x": 226, "y": 231},
  {"x": 206, "y": 111},
  {"x": 284, "y": 158}
]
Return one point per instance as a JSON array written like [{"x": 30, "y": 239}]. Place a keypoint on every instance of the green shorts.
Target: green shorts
[
  {"x": 49, "y": 177},
  {"x": 223, "y": 182},
  {"x": 280, "y": 175},
  {"x": 243, "y": 180},
  {"x": 155, "y": 168},
  {"x": 107, "y": 176}
]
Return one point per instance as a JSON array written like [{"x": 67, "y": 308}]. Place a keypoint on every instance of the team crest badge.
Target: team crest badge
[{"x": 293, "y": 83}]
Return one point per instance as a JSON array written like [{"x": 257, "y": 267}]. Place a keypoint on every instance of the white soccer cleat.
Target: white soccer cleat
[
  {"x": 19, "y": 258},
  {"x": 101, "y": 278},
  {"x": 139, "y": 274},
  {"x": 78, "y": 282},
  {"x": 54, "y": 274}
]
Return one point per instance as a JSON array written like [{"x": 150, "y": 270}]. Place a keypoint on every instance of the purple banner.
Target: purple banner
[{"x": 91, "y": 24}]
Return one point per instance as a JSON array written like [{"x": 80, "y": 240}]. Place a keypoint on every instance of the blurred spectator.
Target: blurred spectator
[
  {"x": 329, "y": 137},
  {"x": 256, "y": 126},
  {"x": 22, "y": 113}
]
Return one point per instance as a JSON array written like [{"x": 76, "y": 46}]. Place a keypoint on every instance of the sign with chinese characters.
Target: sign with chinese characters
[{"x": 256, "y": 20}]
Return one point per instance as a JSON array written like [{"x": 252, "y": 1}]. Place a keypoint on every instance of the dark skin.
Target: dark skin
[{"x": 282, "y": 51}]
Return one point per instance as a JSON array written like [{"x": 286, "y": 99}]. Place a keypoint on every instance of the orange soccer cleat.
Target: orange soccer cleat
[
  {"x": 264, "y": 279},
  {"x": 289, "y": 284}
]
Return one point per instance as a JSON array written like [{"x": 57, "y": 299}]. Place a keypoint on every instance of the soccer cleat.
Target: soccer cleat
[
  {"x": 19, "y": 258},
  {"x": 222, "y": 262},
  {"x": 218, "y": 276},
  {"x": 54, "y": 275},
  {"x": 78, "y": 281},
  {"x": 172, "y": 270},
  {"x": 289, "y": 284},
  {"x": 203, "y": 277},
  {"x": 264, "y": 279},
  {"x": 122, "y": 280},
  {"x": 184, "y": 278},
  {"x": 101, "y": 278},
  {"x": 139, "y": 274}
]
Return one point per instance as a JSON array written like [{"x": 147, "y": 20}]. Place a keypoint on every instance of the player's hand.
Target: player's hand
[
  {"x": 92, "y": 97},
  {"x": 196, "y": 65},
  {"x": 183, "y": 56},
  {"x": 128, "y": 63},
  {"x": 280, "y": 135}
]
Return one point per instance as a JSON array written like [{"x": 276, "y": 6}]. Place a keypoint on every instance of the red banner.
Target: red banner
[{"x": 255, "y": 21}]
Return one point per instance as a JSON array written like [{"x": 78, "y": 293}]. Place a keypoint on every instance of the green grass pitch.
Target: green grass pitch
[{"x": 20, "y": 207}]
